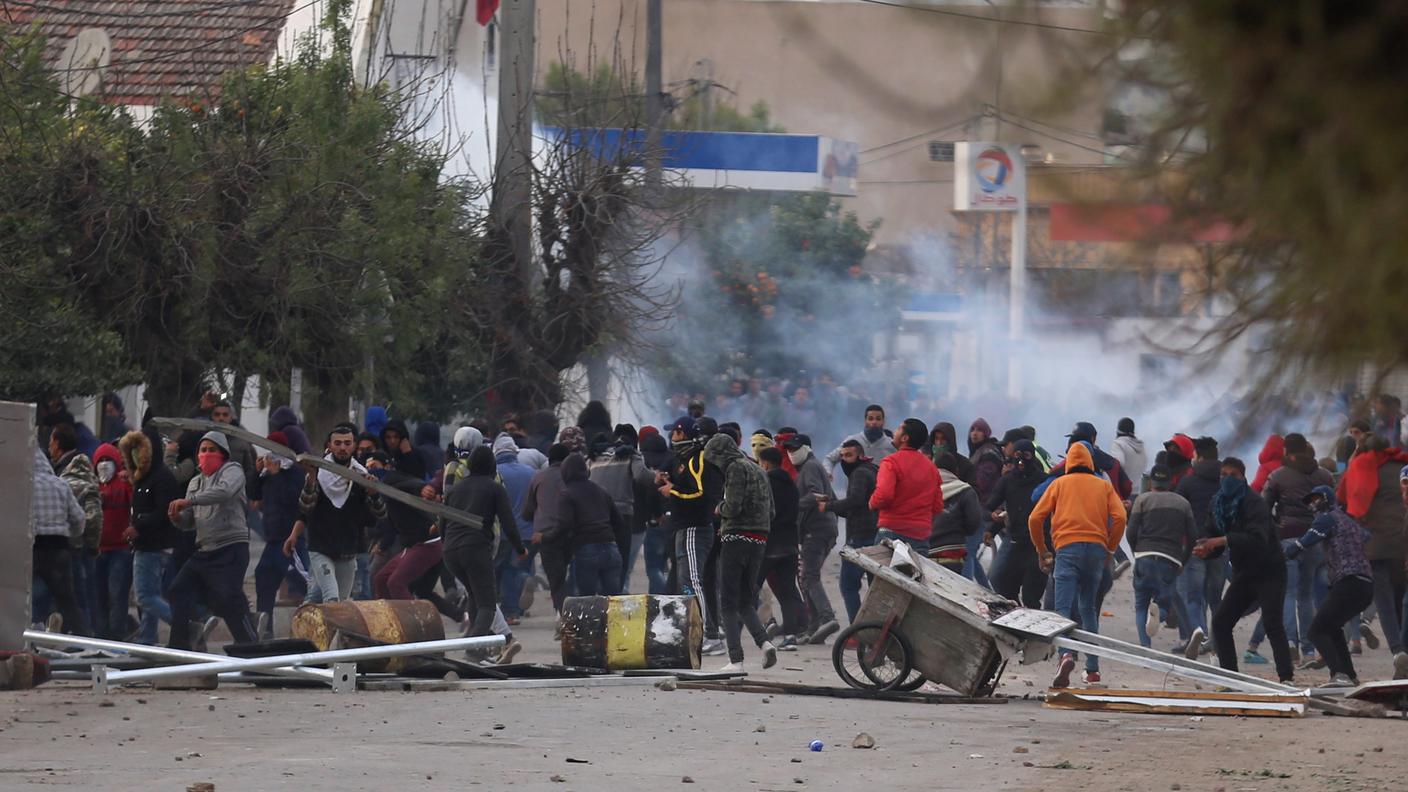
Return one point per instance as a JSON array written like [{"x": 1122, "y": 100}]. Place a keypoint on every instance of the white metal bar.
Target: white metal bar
[
  {"x": 305, "y": 658},
  {"x": 162, "y": 653},
  {"x": 1206, "y": 674},
  {"x": 1178, "y": 660}
]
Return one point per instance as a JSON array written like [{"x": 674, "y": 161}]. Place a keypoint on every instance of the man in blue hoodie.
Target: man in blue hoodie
[{"x": 516, "y": 478}]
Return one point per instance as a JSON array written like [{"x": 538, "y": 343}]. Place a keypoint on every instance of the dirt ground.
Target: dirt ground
[{"x": 642, "y": 738}]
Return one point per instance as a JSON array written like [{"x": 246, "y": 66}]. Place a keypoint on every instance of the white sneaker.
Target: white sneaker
[
  {"x": 713, "y": 647},
  {"x": 1340, "y": 681},
  {"x": 732, "y": 668},
  {"x": 1195, "y": 644},
  {"x": 769, "y": 654},
  {"x": 1151, "y": 626}
]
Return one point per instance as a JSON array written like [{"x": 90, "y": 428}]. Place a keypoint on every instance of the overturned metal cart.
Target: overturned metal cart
[{"x": 920, "y": 622}]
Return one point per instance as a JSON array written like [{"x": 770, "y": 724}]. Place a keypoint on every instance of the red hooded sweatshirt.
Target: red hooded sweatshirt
[
  {"x": 117, "y": 499},
  {"x": 1270, "y": 459},
  {"x": 907, "y": 494}
]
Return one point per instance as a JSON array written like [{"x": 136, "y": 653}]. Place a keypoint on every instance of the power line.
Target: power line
[
  {"x": 918, "y": 135},
  {"x": 1059, "y": 139},
  {"x": 1002, "y": 21}
]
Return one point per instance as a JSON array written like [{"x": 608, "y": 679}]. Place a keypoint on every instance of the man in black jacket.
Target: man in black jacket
[
  {"x": 469, "y": 552},
  {"x": 1244, "y": 530},
  {"x": 1201, "y": 583},
  {"x": 855, "y": 510},
  {"x": 150, "y": 531},
  {"x": 587, "y": 518},
  {"x": 336, "y": 516},
  {"x": 1016, "y": 572},
  {"x": 780, "y": 559},
  {"x": 692, "y": 489},
  {"x": 1285, "y": 493}
]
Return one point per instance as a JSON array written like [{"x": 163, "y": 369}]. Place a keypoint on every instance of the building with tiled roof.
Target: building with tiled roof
[{"x": 161, "y": 48}]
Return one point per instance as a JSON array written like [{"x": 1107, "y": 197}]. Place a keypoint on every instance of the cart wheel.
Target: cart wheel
[
  {"x": 916, "y": 680},
  {"x": 866, "y": 661}
]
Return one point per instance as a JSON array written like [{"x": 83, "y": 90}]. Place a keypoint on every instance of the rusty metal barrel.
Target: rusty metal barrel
[
  {"x": 383, "y": 621},
  {"x": 632, "y": 631}
]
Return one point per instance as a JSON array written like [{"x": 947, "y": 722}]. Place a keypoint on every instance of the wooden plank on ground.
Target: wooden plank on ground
[
  {"x": 1179, "y": 703},
  {"x": 791, "y": 689}
]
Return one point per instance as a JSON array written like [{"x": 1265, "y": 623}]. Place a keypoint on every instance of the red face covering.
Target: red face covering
[{"x": 210, "y": 461}]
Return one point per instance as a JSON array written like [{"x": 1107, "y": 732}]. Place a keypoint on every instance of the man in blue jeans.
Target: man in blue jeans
[
  {"x": 1162, "y": 532},
  {"x": 1087, "y": 522},
  {"x": 150, "y": 531},
  {"x": 860, "y": 519}
]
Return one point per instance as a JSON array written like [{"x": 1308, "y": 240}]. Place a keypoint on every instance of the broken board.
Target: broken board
[
  {"x": 792, "y": 689},
  {"x": 1389, "y": 692},
  {"x": 1177, "y": 702},
  {"x": 1027, "y": 622}
]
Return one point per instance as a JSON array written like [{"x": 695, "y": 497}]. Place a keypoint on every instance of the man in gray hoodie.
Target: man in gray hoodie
[
  {"x": 875, "y": 440},
  {"x": 214, "y": 507},
  {"x": 818, "y": 529}
]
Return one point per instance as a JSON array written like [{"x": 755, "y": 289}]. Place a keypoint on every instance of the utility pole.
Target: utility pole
[
  {"x": 654, "y": 95},
  {"x": 511, "y": 206}
]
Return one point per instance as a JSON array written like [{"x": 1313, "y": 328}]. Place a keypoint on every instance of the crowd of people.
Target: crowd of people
[{"x": 1316, "y": 547}]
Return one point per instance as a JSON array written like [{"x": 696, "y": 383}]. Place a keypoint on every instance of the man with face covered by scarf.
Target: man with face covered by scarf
[
  {"x": 818, "y": 528},
  {"x": 860, "y": 519},
  {"x": 214, "y": 508},
  {"x": 874, "y": 439},
  {"x": 1243, "y": 529}
]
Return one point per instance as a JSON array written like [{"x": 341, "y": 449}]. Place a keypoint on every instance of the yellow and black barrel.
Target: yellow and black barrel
[
  {"x": 632, "y": 631},
  {"x": 383, "y": 621}
]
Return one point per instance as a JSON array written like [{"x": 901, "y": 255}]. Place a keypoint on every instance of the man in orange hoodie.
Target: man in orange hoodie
[{"x": 1087, "y": 522}]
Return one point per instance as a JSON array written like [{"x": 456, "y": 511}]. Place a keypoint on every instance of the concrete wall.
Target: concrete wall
[{"x": 17, "y": 438}]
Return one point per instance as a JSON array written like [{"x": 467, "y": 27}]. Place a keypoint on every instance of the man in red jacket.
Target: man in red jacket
[{"x": 907, "y": 494}]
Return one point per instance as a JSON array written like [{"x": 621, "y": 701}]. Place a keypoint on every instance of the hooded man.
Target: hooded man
[
  {"x": 1203, "y": 579},
  {"x": 1243, "y": 528},
  {"x": 860, "y": 519},
  {"x": 987, "y": 460},
  {"x": 540, "y": 510},
  {"x": 818, "y": 529},
  {"x": 1270, "y": 459},
  {"x": 214, "y": 508},
  {"x": 780, "y": 560},
  {"x": 1178, "y": 454},
  {"x": 396, "y": 441},
  {"x": 469, "y": 552},
  {"x": 150, "y": 531},
  {"x": 427, "y": 444},
  {"x": 76, "y": 470},
  {"x": 960, "y": 520},
  {"x": 57, "y": 522},
  {"x": 1286, "y": 490},
  {"x": 875, "y": 441},
  {"x": 692, "y": 489},
  {"x": 1162, "y": 532},
  {"x": 745, "y": 515},
  {"x": 1017, "y": 570},
  {"x": 1368, "y": 494},
  {"x": 514, "y": 569},
  {"x": 588, "y": 521},
  {"x": 1129, "y": 451},
  {"x": 114, "y": 567},
  {"x": 1087, "y": 521},
  {"x": 944, "y": 439},
  {"x": 622, "y": 472},
  {"x": 283, "y": 484},
  {"x": 1351, "y": 581},
  {"x": 375, "y": 420},
  {"x": 466, "y": 439},
  {"x": 336, "y": 514}
]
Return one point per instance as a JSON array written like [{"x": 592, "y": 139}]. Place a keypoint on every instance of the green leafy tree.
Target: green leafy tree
[{"x": 1284, "y": 121}]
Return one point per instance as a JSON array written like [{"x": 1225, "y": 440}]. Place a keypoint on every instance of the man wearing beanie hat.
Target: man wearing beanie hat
[
  {"x": 692, "y": 489},
  {"x": 214, "y": 507},
  {"x": 818, "y": 529}
]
